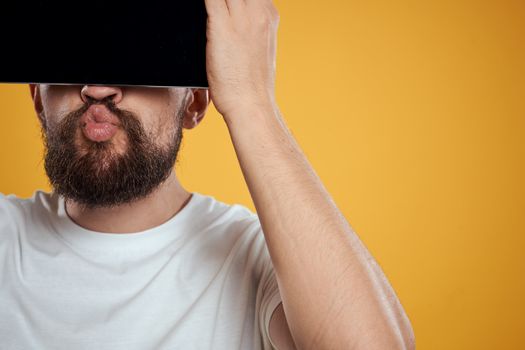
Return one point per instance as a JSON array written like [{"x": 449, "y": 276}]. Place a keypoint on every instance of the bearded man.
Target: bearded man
[{"x": 120, "y": 256}]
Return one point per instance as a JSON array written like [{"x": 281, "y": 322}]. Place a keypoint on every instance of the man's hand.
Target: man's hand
[{"x": 240, "y": 54}]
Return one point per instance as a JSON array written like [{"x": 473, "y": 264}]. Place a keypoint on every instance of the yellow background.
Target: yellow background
[{"x": 413, "y": 115}]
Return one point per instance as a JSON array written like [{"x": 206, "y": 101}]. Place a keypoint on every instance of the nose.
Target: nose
[{"x": 101, "y": 92}]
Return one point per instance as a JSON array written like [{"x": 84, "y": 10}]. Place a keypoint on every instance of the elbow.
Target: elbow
[
  {"x": 399, "y": 334},
  {"x": 409, "y": 339},
  {"x": 405, "y": 339},
  {"x": 402, "y": 332}
]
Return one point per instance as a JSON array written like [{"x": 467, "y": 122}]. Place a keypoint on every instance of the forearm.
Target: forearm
[{"x": 334, "y": 294}]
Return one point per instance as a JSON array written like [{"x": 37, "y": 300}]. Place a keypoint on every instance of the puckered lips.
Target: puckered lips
[{"x": 99, "y": 124}]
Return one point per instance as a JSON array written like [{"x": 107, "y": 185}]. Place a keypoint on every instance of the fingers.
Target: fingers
[
  {"x": 224, "y": 8},
  {"x": 216, "y": 8},
  {"x": 235, "y": 7},
  {"x": 260, "y": 3},
  {"x": 266, "y": 7}
]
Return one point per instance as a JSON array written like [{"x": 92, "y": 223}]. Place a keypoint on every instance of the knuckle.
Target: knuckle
[
  {"x": 263, "y": 20},
  {"x": 273, "y": 10}
]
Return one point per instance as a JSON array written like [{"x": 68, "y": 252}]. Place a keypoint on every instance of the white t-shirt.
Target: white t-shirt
[{"x": 201, "y": 280}]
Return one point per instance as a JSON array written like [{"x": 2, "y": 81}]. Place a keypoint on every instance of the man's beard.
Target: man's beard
[{"x": 94, "y": 174}]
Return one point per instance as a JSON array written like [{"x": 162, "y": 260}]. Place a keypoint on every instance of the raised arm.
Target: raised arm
[{"x": 334, "y": 294}]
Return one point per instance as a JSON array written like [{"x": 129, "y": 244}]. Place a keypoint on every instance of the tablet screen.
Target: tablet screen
[{"x": 148, "y": 43}]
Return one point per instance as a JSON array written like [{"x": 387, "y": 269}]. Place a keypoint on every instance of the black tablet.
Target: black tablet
[{"x": 148, "y": 43}]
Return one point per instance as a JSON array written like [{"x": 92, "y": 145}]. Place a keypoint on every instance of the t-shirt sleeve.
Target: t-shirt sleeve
[
  {"x": 270, "y": 299},
  {"x": 7, "y": 216}
]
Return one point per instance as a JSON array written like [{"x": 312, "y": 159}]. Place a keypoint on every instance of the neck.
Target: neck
[{"x": 158, "y": 207}]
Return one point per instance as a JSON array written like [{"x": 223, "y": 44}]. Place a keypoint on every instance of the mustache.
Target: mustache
[
  {"x": 128, "y": 120},
  {"x": 107, "y": 102},
  {"x": 67, "y": 127}
]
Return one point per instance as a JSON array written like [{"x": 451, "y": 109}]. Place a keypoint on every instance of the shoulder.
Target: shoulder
[
  {"x": 17, "y": 212},
  {"x": 224, "y": 216},
  {"x": 231, "y": 226},
  {"x": 13, "y": 203},
  {"x": 10, "y": 208}
]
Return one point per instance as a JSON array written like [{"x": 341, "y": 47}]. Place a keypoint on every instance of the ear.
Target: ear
[
  {"x": 197, "y": 102},
  {"x": 37, "y": 102}
]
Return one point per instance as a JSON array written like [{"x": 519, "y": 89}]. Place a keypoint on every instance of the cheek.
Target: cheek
[
  {"x": 55, "y": 110},
  {"x": 164, "y": 125},
  {"x": 166, "y": 132},
  {"x": 61, "y": 97},
  {"x": 50, "y": 118}
]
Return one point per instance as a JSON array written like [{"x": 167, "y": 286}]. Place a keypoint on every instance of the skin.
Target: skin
[{"x": 334, "y": 294}]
